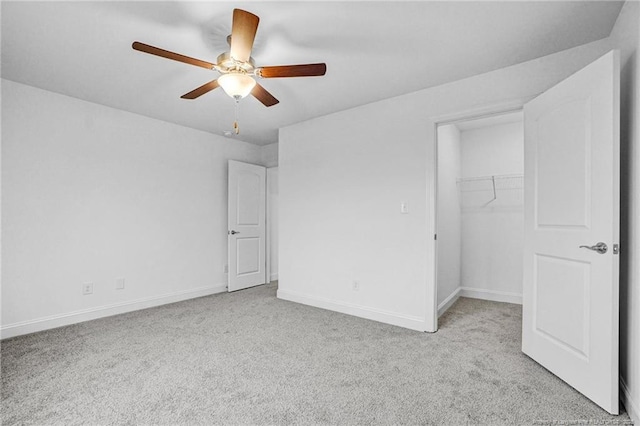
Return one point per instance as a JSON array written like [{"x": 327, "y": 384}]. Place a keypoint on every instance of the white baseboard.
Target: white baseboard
[
  {"x": 54, "y": 321},
  {"x": 493, "y": 295},
  {"x": 631, "y": 406},
  {"x": 274, "y": 277},
  {"x": 393, "y": 318},
  {"x": 446, "y": 303}
]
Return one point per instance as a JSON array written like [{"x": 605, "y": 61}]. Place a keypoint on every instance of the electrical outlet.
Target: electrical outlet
[
  {"x": 87, "y": 288},
  {"x": 225, "y": 269},
  {"x": 356, "y": 285},
  {"x": 119, "y": 283}
]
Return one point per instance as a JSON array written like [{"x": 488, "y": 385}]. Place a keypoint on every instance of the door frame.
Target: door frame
[
  {"x": 269, "y": 236},
  {"x": 488, "y": 110}
]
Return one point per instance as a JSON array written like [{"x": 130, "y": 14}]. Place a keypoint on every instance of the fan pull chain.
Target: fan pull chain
[{"x": 236, "y": 126}]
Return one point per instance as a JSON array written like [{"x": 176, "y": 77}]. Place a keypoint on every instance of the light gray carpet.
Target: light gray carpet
[{"x": 249, "y": 358}]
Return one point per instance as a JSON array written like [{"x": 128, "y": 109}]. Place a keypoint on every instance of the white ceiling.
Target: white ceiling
[{"x": 373, "y": 50}]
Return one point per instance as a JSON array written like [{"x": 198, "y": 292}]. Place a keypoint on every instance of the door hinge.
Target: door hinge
[{"x": 616, "y": 248}]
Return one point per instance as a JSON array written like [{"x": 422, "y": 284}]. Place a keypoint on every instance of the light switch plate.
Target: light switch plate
[
  {"x": 119, "y": 283},
  {"x": 404, "y": 207}
]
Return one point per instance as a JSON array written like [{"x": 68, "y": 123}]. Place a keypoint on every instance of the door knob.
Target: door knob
[
  {"x": 232, "y": 232},
  {"x": 600, "y": 248}
]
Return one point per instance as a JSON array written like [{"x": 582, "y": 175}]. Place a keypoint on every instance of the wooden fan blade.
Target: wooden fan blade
[
  {"x": 261, "y": 94},
  {"x": 243, "y": 32},
  {"x": 205, "y": 88},
  {"x": 170, "y": 55},
  {"x": 306, "y": 70}
]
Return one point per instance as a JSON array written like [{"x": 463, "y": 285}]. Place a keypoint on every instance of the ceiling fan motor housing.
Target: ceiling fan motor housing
[{"x": 226, "y": 64}]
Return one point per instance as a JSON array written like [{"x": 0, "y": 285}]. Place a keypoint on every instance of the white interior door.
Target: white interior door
[
  {"x": 247, "y": 225},
  {"x": 570, "y": 292}
]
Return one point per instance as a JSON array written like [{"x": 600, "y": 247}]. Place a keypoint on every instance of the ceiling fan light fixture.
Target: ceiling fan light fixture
[{"x": 236, "y": 85}]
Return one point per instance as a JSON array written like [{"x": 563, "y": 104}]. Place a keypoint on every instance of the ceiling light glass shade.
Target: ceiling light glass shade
[{"x": 236, "y": 85}]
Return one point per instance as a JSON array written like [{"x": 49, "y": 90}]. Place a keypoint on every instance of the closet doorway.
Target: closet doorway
[{"x": 480, "y": 209}]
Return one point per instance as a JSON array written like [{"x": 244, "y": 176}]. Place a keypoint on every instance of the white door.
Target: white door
[
  {"x": 570, "y": 292},
  {"x": 247, "y": 226}
]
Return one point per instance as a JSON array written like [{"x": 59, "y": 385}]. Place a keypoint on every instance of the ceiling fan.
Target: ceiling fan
[{"x": 236, "y": 67}]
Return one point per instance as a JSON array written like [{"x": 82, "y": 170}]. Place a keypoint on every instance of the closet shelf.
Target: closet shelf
[
  {"x": 484, "y": 190},
  {"x": 495, "y": 182},
  {"x": 476, "y": 178}
]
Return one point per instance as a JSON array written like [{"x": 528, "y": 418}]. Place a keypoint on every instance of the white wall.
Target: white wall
[
  {"x": 492, "y": 234},
  {"x": 269, "y": 156},
  {"x": 448, "y": 216},
  {"x": 91, "y": 193},
  {"x": 493, "y": 150},
  {"x": 343, "y": 177},
  {"x": 272, "y": 221},
  {"x": 626, "y": 37}
]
